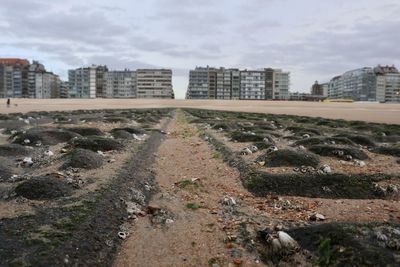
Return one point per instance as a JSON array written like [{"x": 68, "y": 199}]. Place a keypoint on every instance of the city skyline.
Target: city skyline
[{"x": 308, "y": 40}]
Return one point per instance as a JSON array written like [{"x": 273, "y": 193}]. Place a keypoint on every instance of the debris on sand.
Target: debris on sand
[
  {"x": 43, "y": 188},
  {"x": 83, "y": 158}
]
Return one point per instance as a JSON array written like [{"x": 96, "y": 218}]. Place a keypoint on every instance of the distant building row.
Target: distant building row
[
  {"x": 20, "y": 78},
  {"x": 222, "y": 83},
  {"x": 98, "y": 81},
  {"x": 381, "y": 84}
]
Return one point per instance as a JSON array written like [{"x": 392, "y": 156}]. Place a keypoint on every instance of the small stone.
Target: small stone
[
  {"x": 360, "y": 163},
  {"x": 122, "y": 235},
  {"x": 49, "y": 153},
  {"x": 27, "y": 161},
  {"x": 27, "y": 141},
  {"x": 237, "y": 262},
  {"x": 169, "y": 221},
  {"x": 326, "y": 169},
  {"x": 348, "y": 157},
  {"x": 153, "y": 209},
  {"x": 317, "y": 217},
  {"x": 246, "y": 151}
]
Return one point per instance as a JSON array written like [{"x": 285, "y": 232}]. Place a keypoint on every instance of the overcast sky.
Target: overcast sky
[{"x": 312, "y": 39}]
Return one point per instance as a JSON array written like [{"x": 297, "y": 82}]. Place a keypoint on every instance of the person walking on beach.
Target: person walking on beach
[{"x": 8, "y": 102}]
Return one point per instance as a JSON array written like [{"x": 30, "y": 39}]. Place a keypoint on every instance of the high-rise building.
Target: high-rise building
[
  {"x": 387, "y": 84},
  {"x": 82, "y": 82},
  {"x": 367, "y": 84},
  {"x": 316, "y": 89},
  {"x": 154, "y": 83},
  {"x": 13, "y": 74},
  {"x": 47, "y": 85},
  {"x": 64, "y": 88},
  {"x": 120, "y": 84},
  {"x": 269, "y": 83},
  {"x": 33, "y": 70},
  {"x": 236, "y": 84},
  {"x": 100, "y": 85},
  {"x": 198, "y": 83},
  {"x": 282, "y": 85},
  {"x": 252, "y": 85}
]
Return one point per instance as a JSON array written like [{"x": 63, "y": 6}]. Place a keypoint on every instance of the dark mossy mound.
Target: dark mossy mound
[
  {"x": 7, "y": 168},
  {"x": 83, "y": 158},
  {"x": 323, "y": 141},
  {"x": 45, "y": 136},
  {"x": 297, "y": 130},
  {"x": 388, "y": 139},
  {"x": 345, "y": 244},
  {"x": 96, "y": 143},
  {"x": 43, "y": 188},
  {"x": 338, "y": 151},
  {"x": 14, "y": 150},
  {"x": 358, "y": 139},
  {"x": 121, "y": 134},
  {"x": 334, "y": 186},
  {"x": 246, "y": 137},
  {"x": 115, "y": 119},
  {"x": 84, "y": 131},
  {"x": 388, "y": 150},
  {"x": 289, "y": 157},
  {"x": 148, "y": 119},
  {"x": 130, "y": 130}
]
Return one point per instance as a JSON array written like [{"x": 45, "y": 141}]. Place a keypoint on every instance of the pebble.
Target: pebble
[
  {"x": 326, "y": 169},
  {"x": 317, "y": 217}
]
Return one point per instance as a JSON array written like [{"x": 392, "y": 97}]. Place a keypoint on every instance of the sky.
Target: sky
[{"x": 312, "y": 39}]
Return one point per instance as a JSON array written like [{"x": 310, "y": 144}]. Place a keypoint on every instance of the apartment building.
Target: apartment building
[
  {"x": 120, "y": 84},
  {"x": 13, "y": 74},
  {"x": 367, "y": 84},
  {"x": 100, "y": 78},
  {"x": 237, "y": 84},
  {"x": 269, "y": 83},
  {"x": 387, "y": 84},
  {"x": 252, "y": 85},
  {"x": 282, "y": 85},
  {"x": 64, "y": 88},
  {"x": 198, "y": 83},
  {"x": 154, "y": 83},
  {"x": 34, "y": 69},
  {"x": 47, "y": 85},
  {"x": 82, "y": 82}
]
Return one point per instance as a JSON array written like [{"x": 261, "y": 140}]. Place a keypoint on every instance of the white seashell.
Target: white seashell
[{"x": 286, "y": 240}]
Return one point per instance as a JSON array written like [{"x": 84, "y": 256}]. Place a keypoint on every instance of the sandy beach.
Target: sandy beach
[{"x": 371, "y": 112}]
